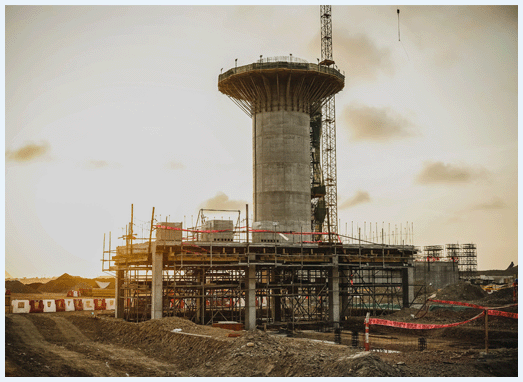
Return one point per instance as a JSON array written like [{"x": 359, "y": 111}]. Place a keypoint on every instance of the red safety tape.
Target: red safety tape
[
  {"x": 250, "y": 230},
  {"x": 492, "y": 312},
  {"x": 408, "y": 325}
]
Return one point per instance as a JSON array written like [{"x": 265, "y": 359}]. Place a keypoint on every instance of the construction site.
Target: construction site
[{"x": 283, "y": 293}]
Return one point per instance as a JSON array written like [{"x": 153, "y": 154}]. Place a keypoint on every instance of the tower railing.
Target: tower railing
[{"x": 281, "y": 63}]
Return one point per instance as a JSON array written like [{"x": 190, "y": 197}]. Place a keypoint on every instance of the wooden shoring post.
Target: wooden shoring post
[
  {"x": 103, "y": 256},
  {"x": 486, "y": 330},
  {"x": 109, "y": 257},
  {"x": 131, "y": 230},
  {"x": 151, "y": 233}
]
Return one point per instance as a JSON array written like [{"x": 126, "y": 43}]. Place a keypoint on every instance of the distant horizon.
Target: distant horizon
[{"x": 108, "y": 276}]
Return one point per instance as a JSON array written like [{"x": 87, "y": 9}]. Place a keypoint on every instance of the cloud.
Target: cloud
[
  {"x": 376, "y": 124},
  {"x": 495, "y": 204},
  {"x": 360, "y": 197},
  {"x": 97, "y": 164},
  {"x": 28, "y": 153},
  {"x": 173, "y": 165},
  {"x": 440, "y": 173},
  {"x": 222, "y": 202},
  {"x": 360, "y": 58}
]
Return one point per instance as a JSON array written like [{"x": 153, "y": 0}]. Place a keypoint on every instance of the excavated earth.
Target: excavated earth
[{"x": 75, "y": 344}]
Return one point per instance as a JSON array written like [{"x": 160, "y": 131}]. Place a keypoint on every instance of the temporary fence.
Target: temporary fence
[
  {"x": 99, "y": 304},
  {"x": 485, "y": 312},
  {"x": 69, "y": 305},
  {"x": 78, "y": 305},
  {"x": 88, "y": 304},
  {"x": 62, "y": 305},
  {"x": 110, "y": 303},
  {"x": 49, "y": 306},
  {"x": 21, "y": 306},
  {"x": 37, "y": 306}
]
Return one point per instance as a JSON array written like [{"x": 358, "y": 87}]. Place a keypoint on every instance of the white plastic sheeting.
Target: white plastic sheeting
[
  {"x": 49, "y": 306},
  {"x": 20, "y": 306}
]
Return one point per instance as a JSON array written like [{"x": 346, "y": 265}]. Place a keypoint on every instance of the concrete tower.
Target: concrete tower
[{"x": 280, "y": 94}]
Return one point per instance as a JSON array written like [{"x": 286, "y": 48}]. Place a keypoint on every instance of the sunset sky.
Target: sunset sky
[{"x": 108, "y": 106}]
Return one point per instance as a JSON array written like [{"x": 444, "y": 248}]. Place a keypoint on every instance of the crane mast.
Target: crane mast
[{"x": 328, "y": 130}]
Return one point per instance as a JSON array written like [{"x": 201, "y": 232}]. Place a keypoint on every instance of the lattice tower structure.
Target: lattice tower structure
[
  {"x": 468, "y": 264},
  {"x": 433, "y": 252},
  {"x": 329, "y": 130},
  {"x": 318, "y": 210},
  {"x": 453, "y": 251},
  {"x": 280, "y": 94}
]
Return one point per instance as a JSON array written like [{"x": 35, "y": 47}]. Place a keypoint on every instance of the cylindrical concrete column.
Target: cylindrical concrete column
[
  {"x": 282, "y": 171},
  {"x": 280, "y": 96}
]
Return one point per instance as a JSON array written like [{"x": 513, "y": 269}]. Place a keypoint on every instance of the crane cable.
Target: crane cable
[{"x": 399, "y": 36}]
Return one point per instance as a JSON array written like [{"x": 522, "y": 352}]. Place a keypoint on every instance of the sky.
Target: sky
[{"x": 108, "y": 106}]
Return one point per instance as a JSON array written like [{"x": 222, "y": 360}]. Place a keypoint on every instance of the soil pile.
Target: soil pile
[
  {"x": 503, "y": 296},
  {"x": 16, "y": 286},
  {"x": 65, "y": 283},
  {"x": 461, "y": 291}
]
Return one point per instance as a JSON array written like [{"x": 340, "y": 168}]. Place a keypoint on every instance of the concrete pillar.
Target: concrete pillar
[
  {"x": 157, "y": 283},
  {"x": 276, "y": 300},
  {"x": 407, "y": 278},
  {"x": 200, "y": 301},
  {"x": 334, "y": 293},
  {"x": 281, "y": 151},
  {"x": 344, "y": 295},
  {"x": 250, "y": 298},
  {"x": 118, "y": 294}
]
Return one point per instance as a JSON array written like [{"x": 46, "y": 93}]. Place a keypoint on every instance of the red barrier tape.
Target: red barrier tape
[
  {"x": 502, "y": 314},
  {"x": 250, "y": 230},
  {"x": 408, "y": 325}
]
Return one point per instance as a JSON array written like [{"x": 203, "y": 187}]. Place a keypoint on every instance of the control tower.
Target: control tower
[{"x": 280, "y": 94}]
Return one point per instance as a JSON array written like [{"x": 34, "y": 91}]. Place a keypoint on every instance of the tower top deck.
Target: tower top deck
[{"x": 280, "y": 82}]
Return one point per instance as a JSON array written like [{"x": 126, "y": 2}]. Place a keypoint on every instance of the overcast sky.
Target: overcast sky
[{"x": 108, "y": 106}]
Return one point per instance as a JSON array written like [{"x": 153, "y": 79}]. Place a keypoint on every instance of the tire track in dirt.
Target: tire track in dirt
[
  {"x": 128, "y": 361},
  {"x": 33, "y": 339}
]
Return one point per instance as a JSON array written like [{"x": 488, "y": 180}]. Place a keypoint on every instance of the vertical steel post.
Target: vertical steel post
[{"x": 367, "y": 344}]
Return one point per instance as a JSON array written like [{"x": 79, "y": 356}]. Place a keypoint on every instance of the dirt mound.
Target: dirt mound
[
  {"x": 462, "y": 291},
  {"x": 16, "y": 286},
  {"x": 500, "y": 297},
  {"x": 65, "y": 283}
]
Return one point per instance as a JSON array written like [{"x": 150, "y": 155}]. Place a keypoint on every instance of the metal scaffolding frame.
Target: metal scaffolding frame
[{"x": 206, "y": 282}]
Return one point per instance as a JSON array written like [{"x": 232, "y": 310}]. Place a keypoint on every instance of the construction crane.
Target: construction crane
[{"x": 328, "y": 122}]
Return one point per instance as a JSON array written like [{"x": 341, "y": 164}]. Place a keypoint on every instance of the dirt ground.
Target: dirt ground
[{"x": 74, "y": 344}]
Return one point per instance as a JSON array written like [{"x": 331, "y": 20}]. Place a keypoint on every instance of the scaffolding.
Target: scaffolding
[
  {"x": 433, "y": 252},
  {"x": 286, "y": 285},
  {"x": 467, "y": 264}
]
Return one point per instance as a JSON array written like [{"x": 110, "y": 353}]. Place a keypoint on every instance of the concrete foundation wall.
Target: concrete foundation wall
[
  {"x": 282, "y": 170},
  {"x": 439, "y": 274}
]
